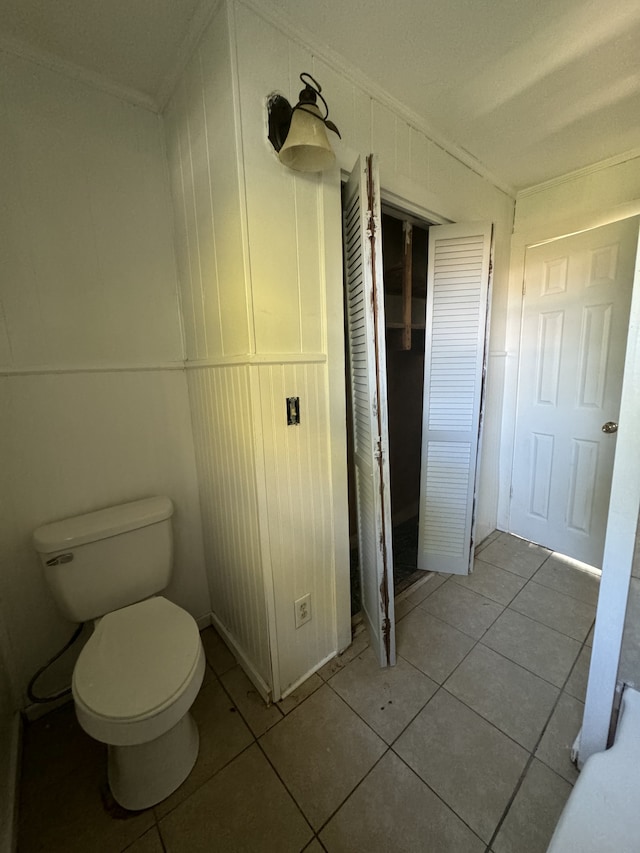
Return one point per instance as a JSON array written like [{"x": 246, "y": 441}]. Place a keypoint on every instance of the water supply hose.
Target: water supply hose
[{"x": 42, "y": 699}]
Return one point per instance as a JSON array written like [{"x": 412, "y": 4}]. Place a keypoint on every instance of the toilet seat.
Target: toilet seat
[{"x": 139, "y": 672}]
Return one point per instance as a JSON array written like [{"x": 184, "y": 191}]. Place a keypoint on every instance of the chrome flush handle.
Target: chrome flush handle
[{"x": 61, "y": 558}]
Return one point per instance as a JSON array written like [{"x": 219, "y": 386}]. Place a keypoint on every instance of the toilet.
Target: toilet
[
  {"x": 140, "y": 671},
  {"x": 602, "y": 814}
]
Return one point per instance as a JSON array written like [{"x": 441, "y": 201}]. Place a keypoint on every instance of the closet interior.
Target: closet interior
[{"x": 404, "y": 250}]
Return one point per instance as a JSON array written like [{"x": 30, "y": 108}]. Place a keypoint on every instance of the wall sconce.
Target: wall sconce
[{"x": 299, "y": 133}]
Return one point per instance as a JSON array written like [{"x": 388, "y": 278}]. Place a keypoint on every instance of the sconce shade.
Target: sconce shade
[{"x": 307, "y": 148}]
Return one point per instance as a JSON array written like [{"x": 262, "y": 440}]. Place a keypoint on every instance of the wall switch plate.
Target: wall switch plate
[
  {"x": 293, "y": 411},
  {"x": 303, "y": 609}
]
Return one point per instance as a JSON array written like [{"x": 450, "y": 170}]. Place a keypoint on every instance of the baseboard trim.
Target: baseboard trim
[
  {"x": 203, "y": 621},
  {"x": 307, "y": 675},
  {"x": 254, "y": 676}
]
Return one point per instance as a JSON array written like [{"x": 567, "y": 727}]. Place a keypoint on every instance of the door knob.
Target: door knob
[{"x": 610, "y": 426}]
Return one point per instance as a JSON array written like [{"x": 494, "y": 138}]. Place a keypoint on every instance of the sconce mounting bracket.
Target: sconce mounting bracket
[{"x": 280, "y": 112}]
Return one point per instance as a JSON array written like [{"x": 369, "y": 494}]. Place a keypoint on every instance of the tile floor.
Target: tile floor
[{"x": 462, "y": 747}]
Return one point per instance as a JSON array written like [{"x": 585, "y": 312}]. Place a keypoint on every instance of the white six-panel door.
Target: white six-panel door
[
  {"x": 367, "y": 366},
  {"x": 458, "y": 273},
  {"x": 574, "y": 330}
]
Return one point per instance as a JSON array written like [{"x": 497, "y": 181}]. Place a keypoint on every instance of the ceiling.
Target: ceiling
[{"x": 532, "y": 89}]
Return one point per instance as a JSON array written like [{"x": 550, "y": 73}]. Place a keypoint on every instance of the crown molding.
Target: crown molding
[
  {"x": 308, "y": 41},
  {"x": 584, "y": 172},
  {"x": 22, "y": 50},
  {"x": 200, "y": 20}
]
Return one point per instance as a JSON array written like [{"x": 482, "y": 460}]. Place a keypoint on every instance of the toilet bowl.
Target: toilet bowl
[
  {"x": 602, "y": 814},
  {"x": 133, "y": 685},
  {"x": 140, "y": 671}
]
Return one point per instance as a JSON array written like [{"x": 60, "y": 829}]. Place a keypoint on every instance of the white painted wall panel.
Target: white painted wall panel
[
  {"x": 298, "y": 488},
  {"x": 205, "y": 184},
  {"x": 223, "y": 420},
  {"x": 585, "y": 200},
  {"x": 226, "y": 175},
  {"x": 350, "y": 111},
  {"x": 383, "y": 136},
  {"x": 87, "y": 264},
  {"x": 283, "y": 213},
  {"x": 177, "y": 152}
]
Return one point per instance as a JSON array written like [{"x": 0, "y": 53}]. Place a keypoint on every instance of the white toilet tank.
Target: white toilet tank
[{"x": 108, "y": 559}]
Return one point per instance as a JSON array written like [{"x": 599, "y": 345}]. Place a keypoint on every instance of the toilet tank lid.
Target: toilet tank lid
[{"x": 71, "y": 532}]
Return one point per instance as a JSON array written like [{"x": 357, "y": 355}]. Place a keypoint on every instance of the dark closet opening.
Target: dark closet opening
[{"x": 404, "y": 251}]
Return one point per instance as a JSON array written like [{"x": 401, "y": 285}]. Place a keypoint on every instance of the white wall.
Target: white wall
[
  {"x": 93, "y": 397},
  {"x": 259, "y": 258}
]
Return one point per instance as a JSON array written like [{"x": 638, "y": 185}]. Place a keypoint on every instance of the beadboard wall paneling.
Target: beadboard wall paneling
[
  {"x": 88, "y": 274},
  {"x": 205, "y": 185},
  {"x": 77, "y": 442},
  {"x": 223, "y": 414},
  {"x": 283, "y": 207},
  {"x": 415, "y": 172},
  {"x": 301, "y": 535}
]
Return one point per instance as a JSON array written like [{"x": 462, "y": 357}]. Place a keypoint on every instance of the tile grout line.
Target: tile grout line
[
  {"x": 286, "y": 787},
  {"x": 532, "y": 755},
  {"x": 158, "y": 819},
  {"x": 532, "y": 577},
  {"x": 256, "y": 741},
  {"x": 389, "y": 748},
  {"x": 447, "y": 805},
  {"x": 561, "y": 690}
]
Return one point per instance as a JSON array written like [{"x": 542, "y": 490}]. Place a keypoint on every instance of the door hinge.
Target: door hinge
[{"x": 377, "y": 450}]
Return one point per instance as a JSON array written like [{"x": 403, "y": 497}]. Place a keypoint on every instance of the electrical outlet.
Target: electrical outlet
[{"x": 303, "y": 609}]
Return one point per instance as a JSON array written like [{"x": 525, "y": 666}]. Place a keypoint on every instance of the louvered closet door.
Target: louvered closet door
[
  {"x": 367, "y": 366},
  {"x": 457, "y": 298}
]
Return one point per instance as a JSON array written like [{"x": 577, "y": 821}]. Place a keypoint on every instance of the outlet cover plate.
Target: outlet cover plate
[{"x": 302, "y": 608}]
